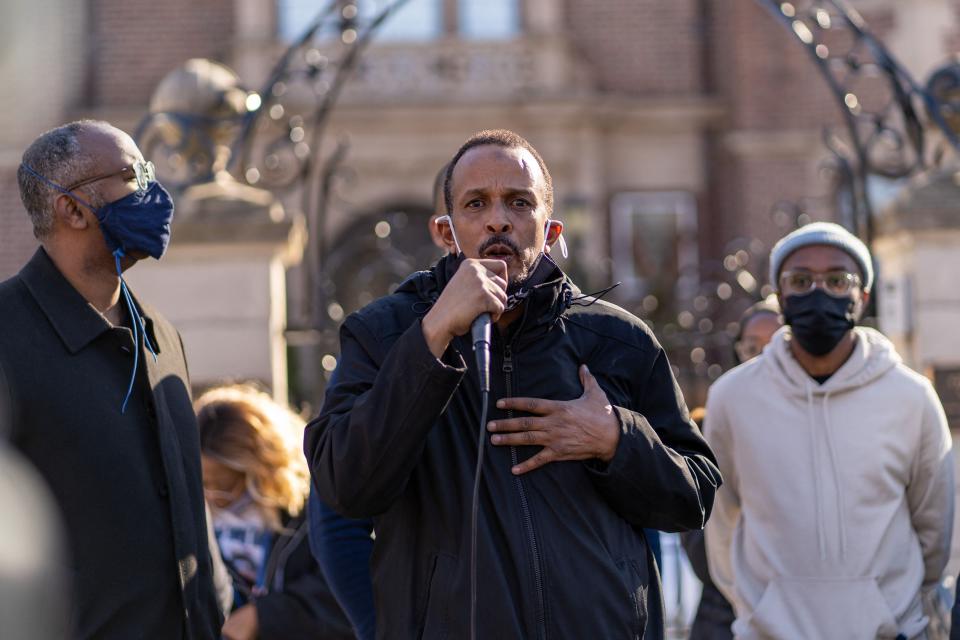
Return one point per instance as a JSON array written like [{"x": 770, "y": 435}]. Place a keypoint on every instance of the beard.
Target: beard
[{"x": 528, "y": 265}]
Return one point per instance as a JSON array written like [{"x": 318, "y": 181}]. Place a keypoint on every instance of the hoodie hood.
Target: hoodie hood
[{"x": 872, "y": 357}]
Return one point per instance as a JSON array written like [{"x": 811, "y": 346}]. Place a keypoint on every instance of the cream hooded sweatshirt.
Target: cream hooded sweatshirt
[{"x": 837, "y": 501}]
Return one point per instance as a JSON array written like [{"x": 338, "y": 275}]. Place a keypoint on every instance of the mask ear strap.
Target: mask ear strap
[
  {"x": 447, "y": 219},
  {"x": 54, "y": 185},
  {"x": 563, "y": 242}
]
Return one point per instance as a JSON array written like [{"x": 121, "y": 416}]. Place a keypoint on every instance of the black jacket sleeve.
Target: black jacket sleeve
[
  {"x": 303, "y": 606},
  {"x": 376, "y": 416},
  {"x": 663, "y": 475}
]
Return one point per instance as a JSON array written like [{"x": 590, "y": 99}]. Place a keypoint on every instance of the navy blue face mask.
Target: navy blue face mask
[{"x": 139, "y": 221}]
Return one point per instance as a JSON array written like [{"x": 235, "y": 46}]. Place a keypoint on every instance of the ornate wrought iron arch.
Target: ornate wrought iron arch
[
  {"x": 885, "y": 111},
  {"x": 273, "y": 138}
]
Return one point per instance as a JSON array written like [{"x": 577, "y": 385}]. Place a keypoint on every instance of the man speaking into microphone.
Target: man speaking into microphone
[{"x": 587, "y": 441}]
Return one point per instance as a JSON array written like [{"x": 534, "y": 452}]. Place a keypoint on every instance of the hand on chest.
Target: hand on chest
[{"x": 554, "y": 374}]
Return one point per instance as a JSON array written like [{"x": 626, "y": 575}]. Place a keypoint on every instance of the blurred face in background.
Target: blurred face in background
[
  {"x": 755, "y": 334},
  {"x": 221, "y": 484}
]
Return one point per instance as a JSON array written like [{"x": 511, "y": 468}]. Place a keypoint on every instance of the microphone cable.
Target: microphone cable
[
  {"x": 480, "y": 335},
  {"x": 474, "y": 514}
]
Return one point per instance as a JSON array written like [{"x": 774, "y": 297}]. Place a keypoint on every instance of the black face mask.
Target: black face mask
[{"x": 818, "y": 320}]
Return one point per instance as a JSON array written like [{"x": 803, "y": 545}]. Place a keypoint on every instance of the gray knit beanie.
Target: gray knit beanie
[{"x": 821, "y": 233}]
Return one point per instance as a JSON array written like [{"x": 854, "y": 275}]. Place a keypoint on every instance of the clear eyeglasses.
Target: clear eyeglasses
[
  {"x": 142, "y": 171},
  {"x": 836, "y": 283}
]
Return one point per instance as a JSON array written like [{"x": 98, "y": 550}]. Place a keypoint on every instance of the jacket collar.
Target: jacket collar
[
  {"x": 551, "y": 293},
  {"x": 73, "y": 318}
]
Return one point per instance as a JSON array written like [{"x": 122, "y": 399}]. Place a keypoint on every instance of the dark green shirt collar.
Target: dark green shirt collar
[{"x": 74, "y": 319}]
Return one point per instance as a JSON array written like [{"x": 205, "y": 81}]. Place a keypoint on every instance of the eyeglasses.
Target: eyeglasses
[
  {"x": 142, "y": 171},
  {"x": 835, "y": 283}
]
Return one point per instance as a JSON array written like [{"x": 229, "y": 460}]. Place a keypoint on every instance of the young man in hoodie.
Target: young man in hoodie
[{"x": 837, "y": 510}]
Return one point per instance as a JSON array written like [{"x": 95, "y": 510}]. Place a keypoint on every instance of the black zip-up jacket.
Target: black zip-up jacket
[
  {"x": 561, "y": 553},
  {"x": 298, "y": 603}
]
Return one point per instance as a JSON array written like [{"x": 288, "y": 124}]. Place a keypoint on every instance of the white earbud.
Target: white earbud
[
  {"x": 447, "y": 219},
  {"x": 546, "y": 232}
]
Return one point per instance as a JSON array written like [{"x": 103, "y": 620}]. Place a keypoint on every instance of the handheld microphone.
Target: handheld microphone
[{"x": 480, "y": 334}]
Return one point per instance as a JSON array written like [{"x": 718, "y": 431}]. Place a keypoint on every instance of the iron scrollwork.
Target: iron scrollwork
[
  {"x": 272, "y": 138},
  {"x": 885, "y": 111}
]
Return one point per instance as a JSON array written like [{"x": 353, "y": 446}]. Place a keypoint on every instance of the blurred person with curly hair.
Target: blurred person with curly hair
[{"x": 257, "y": 482}]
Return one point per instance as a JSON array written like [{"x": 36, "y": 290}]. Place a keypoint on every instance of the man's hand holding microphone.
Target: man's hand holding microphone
[{"x": 478, "y": 287}]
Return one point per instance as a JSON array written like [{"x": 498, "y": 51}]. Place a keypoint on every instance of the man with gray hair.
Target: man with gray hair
[
  {"x": 837, "y": 511},
  {"x": 99, "y": 391}
]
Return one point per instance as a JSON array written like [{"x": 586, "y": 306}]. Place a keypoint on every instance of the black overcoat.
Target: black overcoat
[{"x": 128, "y": 484}]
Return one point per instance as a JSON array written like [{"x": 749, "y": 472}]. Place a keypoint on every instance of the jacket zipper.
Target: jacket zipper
[{"x": 524, "y": 506}]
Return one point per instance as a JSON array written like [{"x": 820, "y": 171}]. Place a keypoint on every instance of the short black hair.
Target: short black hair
[{"x": 498, "y": 138}]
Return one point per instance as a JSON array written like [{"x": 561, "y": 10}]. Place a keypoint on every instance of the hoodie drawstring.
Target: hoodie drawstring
[
  {"x": 835, "y": 468},
  {"x": 817, "y": 489},
  {"x": 841, "y": 510}
]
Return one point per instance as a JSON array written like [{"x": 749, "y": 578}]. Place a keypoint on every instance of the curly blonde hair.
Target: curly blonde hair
[{"x": 246, "y": 430}]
